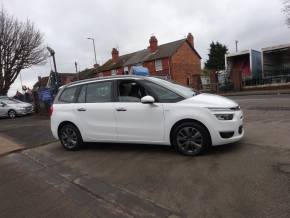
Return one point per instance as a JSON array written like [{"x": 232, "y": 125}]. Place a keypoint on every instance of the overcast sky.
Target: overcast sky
[{"x": 129, "y": 24}]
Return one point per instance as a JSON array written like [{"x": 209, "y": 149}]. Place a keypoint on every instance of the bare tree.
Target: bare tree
[
  {"x": 286, "y": 10},
  {"x": 20, "y": 48}
]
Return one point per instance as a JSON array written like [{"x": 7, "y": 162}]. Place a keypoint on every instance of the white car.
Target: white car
[
  {"x": 11, "y": 108},
  {"x": 147, "y": 110}
]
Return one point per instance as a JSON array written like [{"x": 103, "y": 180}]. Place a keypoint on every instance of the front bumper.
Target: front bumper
[
  {"x": 24, "y": 111},
  {"x": 234, "y": 126}
]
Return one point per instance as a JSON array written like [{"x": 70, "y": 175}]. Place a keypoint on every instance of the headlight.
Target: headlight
[{"x": 224, "y": 116}]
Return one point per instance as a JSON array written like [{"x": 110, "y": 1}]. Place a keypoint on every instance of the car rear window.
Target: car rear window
[{"x": 68, "y": 95}]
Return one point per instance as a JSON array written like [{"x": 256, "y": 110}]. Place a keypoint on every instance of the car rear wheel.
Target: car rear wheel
[
  {"x": 12, "y": 114},
  {"x": 70, "y": 137},
  {"x": 190, "y": 138}
]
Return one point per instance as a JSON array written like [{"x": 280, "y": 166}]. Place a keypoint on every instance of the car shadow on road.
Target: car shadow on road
[
  {"x": 224, "y": 149},
  {"x": 122, "y": 147}
]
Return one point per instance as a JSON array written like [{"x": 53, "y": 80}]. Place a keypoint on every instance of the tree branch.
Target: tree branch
[{"x": 20, "y": 47}]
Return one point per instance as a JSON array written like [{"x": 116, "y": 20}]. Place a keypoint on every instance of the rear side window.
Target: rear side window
[
  {"x": 99, "y": 92},
  {"x": 68, "y": 95}
]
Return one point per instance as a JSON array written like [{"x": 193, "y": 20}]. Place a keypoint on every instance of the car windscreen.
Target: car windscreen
[{"x": 185, "y": 91}]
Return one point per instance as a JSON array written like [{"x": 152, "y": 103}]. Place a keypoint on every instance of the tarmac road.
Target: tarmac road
[{"x": 247, "y": 179}]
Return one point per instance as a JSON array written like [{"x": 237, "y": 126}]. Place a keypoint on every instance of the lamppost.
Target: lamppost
[
  {"x": 52, "y": 53},
  {"x": 237, "y": 45},
  {"x": 94, "y": 48},
  {"x": 77, "y": 72}
]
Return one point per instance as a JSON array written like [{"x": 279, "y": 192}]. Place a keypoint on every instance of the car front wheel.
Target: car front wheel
[
  {"x": 70, "y": 137},
  {"x": 190, "y": 138},
  {"x": 11, "y": 114}
]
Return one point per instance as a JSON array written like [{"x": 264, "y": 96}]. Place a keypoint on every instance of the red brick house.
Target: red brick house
[{"x": 178, "y": 61}]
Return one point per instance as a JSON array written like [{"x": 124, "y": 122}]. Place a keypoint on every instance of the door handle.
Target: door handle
[
  {"x": 82, "y": 109},
  {"x": 121, "y": 109}
]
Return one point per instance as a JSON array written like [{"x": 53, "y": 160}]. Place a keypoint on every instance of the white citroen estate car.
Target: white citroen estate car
[{"x": 146, "y": 110}]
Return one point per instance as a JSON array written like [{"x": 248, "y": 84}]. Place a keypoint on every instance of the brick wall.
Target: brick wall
[
  {"x": 151, "y": 67},
  {"x": 185, "y": 64}
]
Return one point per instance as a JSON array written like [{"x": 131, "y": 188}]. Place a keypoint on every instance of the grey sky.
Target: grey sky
[{"x": 128, "y": 24}]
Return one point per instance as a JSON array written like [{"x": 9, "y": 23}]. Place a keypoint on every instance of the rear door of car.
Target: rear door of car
[{"x": 95, "y": 111}]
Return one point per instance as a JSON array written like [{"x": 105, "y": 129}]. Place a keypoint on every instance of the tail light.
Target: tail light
[{"x": 50, "y": 110}]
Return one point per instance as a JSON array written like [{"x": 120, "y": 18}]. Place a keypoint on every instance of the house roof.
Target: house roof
[
  {"x": 163, "y": 51},
  {"x": 249, "y": 51},
  {"x": 276, "y": 48},
  {"x": 111, "y": 65},
  {"x": 87, "y": 73}
]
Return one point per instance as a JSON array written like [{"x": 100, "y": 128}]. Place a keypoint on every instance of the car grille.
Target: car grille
[{"x": 28, "y": 109}]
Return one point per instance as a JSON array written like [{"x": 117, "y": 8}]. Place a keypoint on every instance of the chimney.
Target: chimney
[
  {"x": 153, "y": 44},
  {"x": 115, "y": 55},
  {"x": 190, "y": 39}
]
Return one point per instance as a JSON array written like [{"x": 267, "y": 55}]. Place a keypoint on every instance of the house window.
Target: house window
[
  {"x": 158, "y": 65},
  {"x": 113, "y": 72},
  {"x": 126, "y": 70}
]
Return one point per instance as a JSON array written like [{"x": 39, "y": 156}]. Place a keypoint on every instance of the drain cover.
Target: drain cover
[{"x": 285, "y": 168}]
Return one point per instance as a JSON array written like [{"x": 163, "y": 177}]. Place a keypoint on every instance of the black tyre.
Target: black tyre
[
  {"x": 70, "y": 137},
  {"x": 190, "y": 138},
  {"x": 12, "y": 114}
]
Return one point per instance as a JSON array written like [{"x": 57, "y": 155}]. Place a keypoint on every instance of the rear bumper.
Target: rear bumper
[{"x": 54, "y": 128}]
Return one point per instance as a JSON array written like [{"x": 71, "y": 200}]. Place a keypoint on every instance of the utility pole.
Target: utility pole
[
  {"x": 77, "y": 72},
  {"x": 94, "y": 48},
  {"x": 237, "y": 45}
]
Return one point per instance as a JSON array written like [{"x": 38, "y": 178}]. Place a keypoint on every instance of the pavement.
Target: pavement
[
  {"x": 246, "y": 179},
  {"x": 24, "y": 132},
  {"x": 258, "y": 92}
]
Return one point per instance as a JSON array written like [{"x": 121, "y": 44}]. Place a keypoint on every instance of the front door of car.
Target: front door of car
[
  {"x": 95, "y": 111},
  {"x": 137, "y": 122}
]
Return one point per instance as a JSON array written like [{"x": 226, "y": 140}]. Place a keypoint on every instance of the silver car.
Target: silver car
[{"x": 11, "y": 108}]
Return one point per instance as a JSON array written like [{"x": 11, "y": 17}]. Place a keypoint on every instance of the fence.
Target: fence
[{"x": 282, "y": 79}]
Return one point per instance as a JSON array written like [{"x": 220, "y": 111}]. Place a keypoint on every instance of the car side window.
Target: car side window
[
  {"x": 99, "y": 92},
  {"x": 130, "y": 91},
  {"x": 82, "y": 94},
  {"x": 68, "y": 95},
  {"x": 164, "y": 95}
]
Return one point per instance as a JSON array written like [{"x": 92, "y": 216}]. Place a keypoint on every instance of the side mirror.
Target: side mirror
[
  {"x": 147, "y": 100},
  {"x": 2, "y": 104}
]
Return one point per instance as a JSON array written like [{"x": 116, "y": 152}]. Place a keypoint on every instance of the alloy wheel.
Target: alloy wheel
[
  {"x": 69, "y": 137},
  {"x": 12, "y": 114},
  {"x": 189, "y": 140}
]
